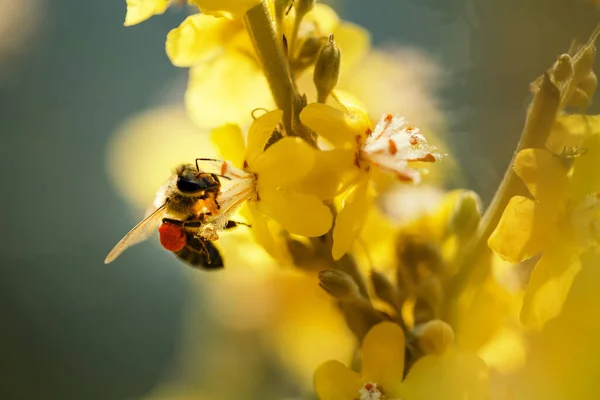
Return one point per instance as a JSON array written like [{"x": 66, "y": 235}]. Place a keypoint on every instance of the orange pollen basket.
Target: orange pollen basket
[{"x": 172, "y": 237}]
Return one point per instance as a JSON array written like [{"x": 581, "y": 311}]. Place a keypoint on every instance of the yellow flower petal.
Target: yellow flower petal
[
  {"x": 334, "y": 125},
  {"x": 217, "y": 91},
  {"x": 262, "y": 232},
  {"x": 570, "y": 130},
  {"x": 451, "y": 376},
  {"x": 323, "y": 17},
  {"x": 140, "y": 10},
  {"x": 231, "y": 9},
  {"x": 522, "y": 232},
  {"x": 331, "y": 174},
  {"x": 586, "y": 170},
  {"x": 351, "y": 217},
  {"x": 200, "y": 38},
  {"x": 544, "y": 176},
  {"x": 335, "y": 381},
  {"x": 301, "y": 214},
  {"x": 286, "y": 161},
  {"x": 229, "y": 140},
  {"x": 355, "y": 42},
  {"x": 562, "y": 362},
  {"x": 383, "y": 356},
  {"x": 260, "y": 132},
  {"x": 549, "y": 286}
]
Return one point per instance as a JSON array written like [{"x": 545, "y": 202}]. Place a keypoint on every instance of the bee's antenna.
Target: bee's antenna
[
  {"x": 223, "y": 176},
  {"x": 205, "y": 159}
]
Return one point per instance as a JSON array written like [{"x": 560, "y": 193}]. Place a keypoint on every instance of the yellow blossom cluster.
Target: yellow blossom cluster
[{"x": 445, "y": 308}]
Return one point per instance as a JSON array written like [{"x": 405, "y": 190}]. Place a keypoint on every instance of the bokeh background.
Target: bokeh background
[{"x": 71, "y": 75}]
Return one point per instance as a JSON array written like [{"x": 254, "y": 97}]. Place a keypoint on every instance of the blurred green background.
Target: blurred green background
[{"x": 70, "y": 73}]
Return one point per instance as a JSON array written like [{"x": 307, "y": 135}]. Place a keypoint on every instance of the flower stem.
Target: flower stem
[
  {"x": 260, "y": 26},
  {"x": 538, "y": 124}
]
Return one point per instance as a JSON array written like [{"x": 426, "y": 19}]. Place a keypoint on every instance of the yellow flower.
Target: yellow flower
[
  {"x": 231, "y": 9},
  {"x": 450, "y": 375},
  {"x": 140, "y": 10},
  {"x": 265, "y": 178},
  {"x": 226, "y": 78},
  {"x": 562, "y": 360},
  {"x": 391, "y": 146},
  {"x": 560, "y": 222}
]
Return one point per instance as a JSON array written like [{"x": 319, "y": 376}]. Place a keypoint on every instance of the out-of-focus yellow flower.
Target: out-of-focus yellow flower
[
  {"x": 456, "y": 375},
  {"x": 562, "y": 360},
  {"x": 231, "y": 9},
  {"x": 560, "y": 223},
  {"x": 226, "y": 79},
  {"x": 140, "y": 10},
  {"x": 154, "y": 141},
  {"x": 266, "y": 180},
  {"x": 391, "y": 146}
]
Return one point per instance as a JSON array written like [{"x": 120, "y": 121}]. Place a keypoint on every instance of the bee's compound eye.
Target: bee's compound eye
[{"x": 186, "y": 185}]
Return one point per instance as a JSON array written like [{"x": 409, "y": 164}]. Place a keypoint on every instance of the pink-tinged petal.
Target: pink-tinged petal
[
  {"x": 260, "y": 132},
  {"x": 334, "y": 381},
  {"x": 394, "y": 143},
  {"x": 351, "y": 217},
  {"x": 383, "y": 356}
]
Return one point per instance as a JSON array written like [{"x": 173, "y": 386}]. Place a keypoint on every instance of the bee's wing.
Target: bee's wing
[{"x": 139, "y": 233}]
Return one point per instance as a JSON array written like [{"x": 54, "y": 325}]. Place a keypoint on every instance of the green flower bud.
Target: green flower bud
[
  {"x": 327, "y": 69},
  {"x": 339, "y": 284},
  {"x": 386, "y": 291},
  {"x": 431, "y": 291},
  {"x": 563, "y": 68},
  {"x": 433, "y": 337},
  {"x": 467, "y": 214}
]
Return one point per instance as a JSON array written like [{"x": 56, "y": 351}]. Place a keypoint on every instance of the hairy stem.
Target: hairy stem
[
  {"x": 540, "y": 118},
  {"x": 260, "y": 26}
]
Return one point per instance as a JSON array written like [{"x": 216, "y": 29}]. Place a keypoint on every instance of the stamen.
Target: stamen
[{"x": 370, "y": 391}]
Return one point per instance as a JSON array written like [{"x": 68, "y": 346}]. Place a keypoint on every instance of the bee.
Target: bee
[{"x": 189, "y": 214}]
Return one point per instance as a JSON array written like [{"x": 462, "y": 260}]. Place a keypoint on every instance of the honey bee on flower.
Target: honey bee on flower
[{"x": 189, "y": 213}]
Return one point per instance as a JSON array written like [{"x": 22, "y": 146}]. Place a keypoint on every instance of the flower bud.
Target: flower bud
[
  {"x": 327, "y": 69},
  {"x": 431, "y": 291},
  {"x": 583, "y": 61},
  {"x": 419, "y": 254},
  {"x": 309, "y": 50},
  {"x": 467, "y": 214},
  {"x": 434, "y": 337},
  {"x": 589, "y": 84},
  {"x": 386, "y": 291},
  {"x": 579, "y": 100},
  {"x": 339, "y": 284},
  {"x": 563, "y": 68}
]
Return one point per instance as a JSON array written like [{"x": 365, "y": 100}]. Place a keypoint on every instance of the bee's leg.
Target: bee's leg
[
  {"x": 200, "y": 252},
  {"x": 190, "y": 223},
  {"x": 232, "y": 224}
]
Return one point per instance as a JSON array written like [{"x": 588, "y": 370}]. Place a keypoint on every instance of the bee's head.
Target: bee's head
[{"x": 190, "y": 181}]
